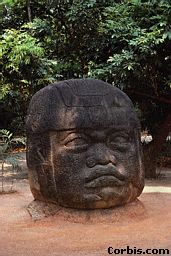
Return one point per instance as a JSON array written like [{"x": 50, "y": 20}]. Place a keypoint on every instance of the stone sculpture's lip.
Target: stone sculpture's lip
[
  {"x": 105, "y": 180},
  {"x": 106, "y": 170}
]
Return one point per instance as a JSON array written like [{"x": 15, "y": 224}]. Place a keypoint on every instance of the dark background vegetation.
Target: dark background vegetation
[{"x": 124, "y": 42}]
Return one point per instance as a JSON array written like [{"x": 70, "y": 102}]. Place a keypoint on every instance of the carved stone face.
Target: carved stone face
[{"x": 93, "y": 157}]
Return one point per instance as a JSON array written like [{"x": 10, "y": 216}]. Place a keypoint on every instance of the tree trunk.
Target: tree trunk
[
  {"x": 152, "y": 150},
  {"x": 150, "y": 161},
  {"x": 29, "y": 11}
]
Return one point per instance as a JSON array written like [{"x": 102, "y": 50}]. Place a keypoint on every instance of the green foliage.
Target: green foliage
[
  {"x": 7, "y": 157},
  {"x": 5, "y": 137},
  {"x": 138, "y": 56},
  {"x": 7, "y": 142},
  {"x": 24, "y": 69},
  {"x": 139, "y": 36},
  {"x": 20, "y": 49}
]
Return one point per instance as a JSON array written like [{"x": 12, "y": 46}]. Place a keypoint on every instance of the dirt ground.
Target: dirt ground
[{"x": 20, "y": 235}]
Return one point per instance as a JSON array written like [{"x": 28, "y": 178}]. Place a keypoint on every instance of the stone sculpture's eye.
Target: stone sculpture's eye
[
  {"x": 76, "y": 141},
  {"x": 120, "y": 142}
]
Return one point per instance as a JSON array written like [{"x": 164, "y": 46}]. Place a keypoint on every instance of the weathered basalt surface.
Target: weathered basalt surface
[
  {"x": 120, "y": 215},
  {"x": 83, "y": 148}
]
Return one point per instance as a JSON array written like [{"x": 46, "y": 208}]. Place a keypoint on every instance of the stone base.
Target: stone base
[{"x": 131, "y": 212}]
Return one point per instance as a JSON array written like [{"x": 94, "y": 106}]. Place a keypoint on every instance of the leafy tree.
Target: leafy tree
[{"x": 24, "y": 69}]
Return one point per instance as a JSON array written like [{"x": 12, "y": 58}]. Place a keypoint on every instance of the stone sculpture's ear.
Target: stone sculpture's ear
[{"x": 40, "y": 166}]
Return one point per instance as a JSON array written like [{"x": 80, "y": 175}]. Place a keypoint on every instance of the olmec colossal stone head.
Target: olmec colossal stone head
[{"x": 83, "y": 148}]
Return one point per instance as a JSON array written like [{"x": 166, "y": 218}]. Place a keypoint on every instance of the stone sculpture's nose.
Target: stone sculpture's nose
[{"x": 100, "y": 155}]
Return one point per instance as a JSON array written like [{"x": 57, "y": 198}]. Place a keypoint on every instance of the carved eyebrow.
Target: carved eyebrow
[
  {"x": 122, "y": 128},
  {"x": 115, "y": 133},
  {"x": 91, "y": 134}
]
